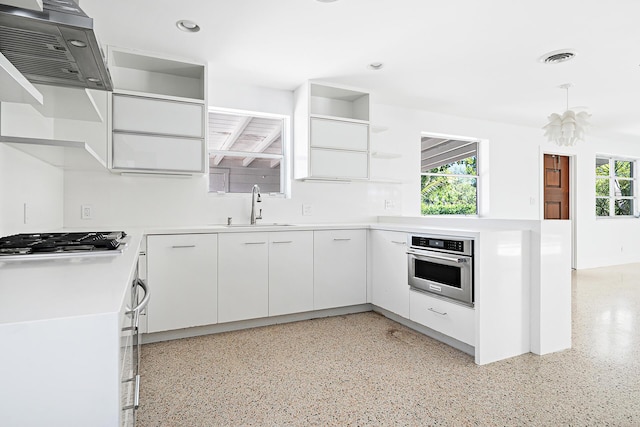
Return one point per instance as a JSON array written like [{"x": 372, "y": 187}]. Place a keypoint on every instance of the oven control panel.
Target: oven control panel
[{"x": 462, "y": 246}]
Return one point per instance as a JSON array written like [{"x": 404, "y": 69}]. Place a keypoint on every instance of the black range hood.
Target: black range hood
[{"x": 56, "y": 46}]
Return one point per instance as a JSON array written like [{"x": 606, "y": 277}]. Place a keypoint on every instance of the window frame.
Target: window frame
[
  {"x": 476, "y": 176},
  {"x": 286, "y": 158},
  {"x": 612, "y": 178}
]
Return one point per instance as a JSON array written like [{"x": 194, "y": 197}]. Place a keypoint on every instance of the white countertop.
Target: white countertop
[
  {"x": 34, "y": 290},
  {"x": 244, "y": 228}
]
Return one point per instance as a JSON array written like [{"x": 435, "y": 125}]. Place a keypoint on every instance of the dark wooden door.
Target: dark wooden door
[{"x": 556, "y": 187}]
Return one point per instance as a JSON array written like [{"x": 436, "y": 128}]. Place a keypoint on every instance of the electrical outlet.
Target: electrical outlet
[
  {"x": 307, "y": 209},
  {"x": 388, "y": 204},
  {"x": 86, "y": 212}
]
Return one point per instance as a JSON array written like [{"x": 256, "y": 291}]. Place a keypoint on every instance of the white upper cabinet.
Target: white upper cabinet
[
  {"x": 154, "y": 116},
  {"x": 331, "y": 132},
  {"x": 338, "y": 134},
  {"x": 158, "y": 121}
]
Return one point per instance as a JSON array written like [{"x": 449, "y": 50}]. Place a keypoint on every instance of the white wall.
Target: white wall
[
  {"x": 510, "y": 188},
  {"x": 511, "y": 176},
  {"x": 26, "y": 180},
  {"x": 120, "y": 201},
  {"x": 603, "y": 241}
]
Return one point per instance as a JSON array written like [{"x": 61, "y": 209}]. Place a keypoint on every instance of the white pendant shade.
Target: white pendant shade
[{"x": 568, "y": 128}]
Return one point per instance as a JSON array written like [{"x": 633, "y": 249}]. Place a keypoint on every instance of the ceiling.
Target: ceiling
[
  {"x": 241, "y": 134},
  {"x": 463, "y": 57}
]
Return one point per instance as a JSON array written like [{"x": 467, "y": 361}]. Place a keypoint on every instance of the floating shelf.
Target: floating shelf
[
  {"x": 384, "y": 181},
  {"x": 69, "y": 103},
  {"x": 379, "y": 129},
  {"x": 14, "y": 87},
  {"x": 385, "y": 155},
  {"x": 67, "y": 155},
  {"x": 25, "y": 4}
]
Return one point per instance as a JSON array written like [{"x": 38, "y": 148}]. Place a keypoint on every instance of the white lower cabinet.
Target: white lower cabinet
[
  {"x": 243, "y": 276},
  {"x": 290, "y": 272},
  {"x": 389, "y": 271},
  {"x": 451, "y": 319},
  {"x": 182, "y": 272},
  {"x": 339, "y": 270}
]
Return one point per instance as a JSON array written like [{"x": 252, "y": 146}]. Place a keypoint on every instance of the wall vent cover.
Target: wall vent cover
[{"x": 557, "y": 56}]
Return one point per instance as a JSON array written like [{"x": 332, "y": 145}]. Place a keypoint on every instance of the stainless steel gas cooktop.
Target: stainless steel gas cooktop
[{"x": 57, "y": 245}]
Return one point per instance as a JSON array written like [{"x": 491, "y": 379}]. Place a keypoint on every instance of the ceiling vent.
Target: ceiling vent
[{"x": 557, "y": 56}]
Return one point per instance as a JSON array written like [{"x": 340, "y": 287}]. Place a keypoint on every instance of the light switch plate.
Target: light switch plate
[
  {"x": 307, "y": 209},
  {"x": 86, "y": 212}
]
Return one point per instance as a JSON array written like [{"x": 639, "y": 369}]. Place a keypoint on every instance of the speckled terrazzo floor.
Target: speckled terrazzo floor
[{"x": 364, "y": 370}]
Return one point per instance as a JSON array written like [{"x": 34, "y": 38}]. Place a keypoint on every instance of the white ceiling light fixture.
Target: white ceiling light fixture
[
  {"x": 187, "y": 26},
  {"x": 569, "y": 127}
]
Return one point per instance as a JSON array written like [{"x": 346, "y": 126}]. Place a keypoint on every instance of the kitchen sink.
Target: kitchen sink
[{"x": 262, "y": 224}]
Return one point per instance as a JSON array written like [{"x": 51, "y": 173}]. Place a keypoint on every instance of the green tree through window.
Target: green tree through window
[
  {"x": 615, "y": 183},
  {"x": 451, "y": 189}
]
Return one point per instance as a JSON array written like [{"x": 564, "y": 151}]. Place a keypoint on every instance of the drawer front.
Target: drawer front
[
  {"x": 157, "y": 153},
  {"x": 136, "y": 114},
  {"x": 339, "y": 164},
  {"x": 341, "y": 135},
  {"x": 448, "y": 318}
]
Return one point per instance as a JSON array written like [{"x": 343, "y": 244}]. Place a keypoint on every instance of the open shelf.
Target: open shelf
[
  {"x": 69, "y": 103},
  {"x": 25, "y": 4},
  {"x": 14, "y": 87},
  {"x": 338, "y": 103},
  {"x": 142, "y": 73},
  {"x": 67, "y": 155}
]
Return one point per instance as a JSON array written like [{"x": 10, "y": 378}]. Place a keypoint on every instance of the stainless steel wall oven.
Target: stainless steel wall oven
[{"x": 442, "y": 266}]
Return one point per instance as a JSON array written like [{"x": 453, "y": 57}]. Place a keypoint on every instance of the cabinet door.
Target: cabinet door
[
  {"x": 158, "y": 153},
  {"x": 290, "y": 272},
  {"x": 389, "y": 271},
  {"x": 443, "y": 316},
  {"x": 339, "y": 164},
  {"x": 340, "y": 135},
  {"x": 243, "y": 287},
  {"x": 339, "y": 268},
  {"x": 182, "y": 272},
  {"x": 156, "y": 116}
]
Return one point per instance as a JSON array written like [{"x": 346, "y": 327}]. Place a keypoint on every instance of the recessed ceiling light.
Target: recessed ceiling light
[
  {"x": 188, "y": 26},
  {"x": 558, "y": 56},
  {"x": 93, "y": 80},
  {"x": 375, "y": 66},
  {"x": 78, "y": 43},
  {"x": 326, "y": 1}
]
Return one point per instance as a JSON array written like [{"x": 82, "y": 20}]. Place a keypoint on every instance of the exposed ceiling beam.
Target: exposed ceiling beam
[
  {"x": 232, "y": 138},
  {"x": 263, "y": 145},
  {"x": 448, "y": 147}
]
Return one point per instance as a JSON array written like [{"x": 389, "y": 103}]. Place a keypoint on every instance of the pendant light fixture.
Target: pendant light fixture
[{"x": 569, "y": 127}]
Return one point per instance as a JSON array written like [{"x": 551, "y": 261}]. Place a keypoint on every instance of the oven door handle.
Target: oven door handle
[
  {"x": 458, "y": 260},
  {"x": 145, "y": 300}
]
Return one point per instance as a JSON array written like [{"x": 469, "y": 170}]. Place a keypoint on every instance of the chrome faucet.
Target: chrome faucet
[{"x": 255, "y": 190}]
